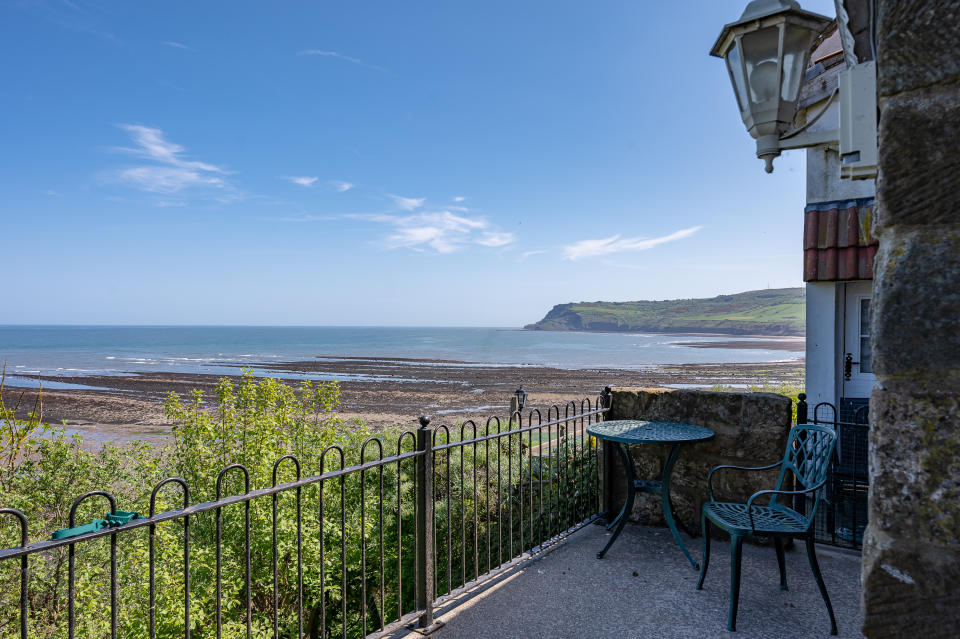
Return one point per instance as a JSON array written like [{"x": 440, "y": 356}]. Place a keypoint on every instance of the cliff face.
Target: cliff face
[{"x": 766, "y": 312}]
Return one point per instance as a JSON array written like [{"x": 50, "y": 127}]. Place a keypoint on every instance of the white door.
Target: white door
[{"x": 856, "y": 365}]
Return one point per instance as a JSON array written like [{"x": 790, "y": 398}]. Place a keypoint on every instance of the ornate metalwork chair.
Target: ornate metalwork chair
[{"x": 808, "y": 454}]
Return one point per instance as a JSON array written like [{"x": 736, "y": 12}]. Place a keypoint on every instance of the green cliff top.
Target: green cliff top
[{"x": 778, "y": 311}]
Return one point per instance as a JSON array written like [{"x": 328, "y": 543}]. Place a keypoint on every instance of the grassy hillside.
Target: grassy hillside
[{"x": 778, "y": 311}]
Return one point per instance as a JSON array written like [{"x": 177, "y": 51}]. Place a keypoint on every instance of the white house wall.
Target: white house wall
[
  {"x": 824, "y": 183},
  {"x": 822, "y": 343}
]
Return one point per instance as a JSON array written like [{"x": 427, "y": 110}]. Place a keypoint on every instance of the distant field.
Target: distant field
[{"x": 766, "y": 312}]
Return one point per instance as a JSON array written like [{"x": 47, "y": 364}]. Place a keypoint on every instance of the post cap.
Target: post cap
[{"x": 424, "y": 421}]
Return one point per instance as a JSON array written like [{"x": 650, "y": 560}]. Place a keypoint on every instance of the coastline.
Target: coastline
[{"x": 383, "y": 392}]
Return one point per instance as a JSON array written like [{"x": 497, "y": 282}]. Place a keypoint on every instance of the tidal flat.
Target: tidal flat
[{"x": 383, "y": 392}]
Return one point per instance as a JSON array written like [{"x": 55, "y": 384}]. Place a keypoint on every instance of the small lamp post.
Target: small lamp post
[
  {"x": 767, "y": 51},
  {"x": 518, "y": 400}
]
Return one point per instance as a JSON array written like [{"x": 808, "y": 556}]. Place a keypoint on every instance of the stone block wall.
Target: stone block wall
[
  {"x": 911, "y": 550},
  {"x": 751, "y": 430}
]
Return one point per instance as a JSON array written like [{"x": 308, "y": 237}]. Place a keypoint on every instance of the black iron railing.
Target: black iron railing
[
  {"x": 842, "y": 517},
  {"x": 450, "y": 506}
]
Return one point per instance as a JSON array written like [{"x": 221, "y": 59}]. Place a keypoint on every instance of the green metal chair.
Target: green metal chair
[{"x": 808, "y": 454}]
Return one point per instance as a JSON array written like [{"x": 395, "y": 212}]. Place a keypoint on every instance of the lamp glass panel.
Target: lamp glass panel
[
  {"x": 736, "y": 75},
  {"x": 796, "y": 51},
  {"x": 760, "y": 50}
]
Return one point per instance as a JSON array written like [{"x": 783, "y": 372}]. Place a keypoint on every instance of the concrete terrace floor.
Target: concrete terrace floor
[{"x": 645, "y": 588}]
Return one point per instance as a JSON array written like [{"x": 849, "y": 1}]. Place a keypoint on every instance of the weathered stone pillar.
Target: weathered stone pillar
[{"x": 911, "y": 555}]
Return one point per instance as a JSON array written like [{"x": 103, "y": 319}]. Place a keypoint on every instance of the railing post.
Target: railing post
[
  {"x": 426, "y": 561},
  {"x": 607, "y": 461},
  {"x": 802, "y": 408}
]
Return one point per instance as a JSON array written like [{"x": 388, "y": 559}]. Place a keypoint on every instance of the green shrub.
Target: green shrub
[{"x": 255, "y": 423}]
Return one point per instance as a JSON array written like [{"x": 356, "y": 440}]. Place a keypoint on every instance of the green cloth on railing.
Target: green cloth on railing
[{"x": 112, "y": 521}]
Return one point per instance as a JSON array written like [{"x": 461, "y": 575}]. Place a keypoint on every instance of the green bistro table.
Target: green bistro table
[{"x": 622, "y": 433}]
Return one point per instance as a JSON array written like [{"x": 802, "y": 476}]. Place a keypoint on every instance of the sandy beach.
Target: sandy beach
[{"x": 382, "y": 392}]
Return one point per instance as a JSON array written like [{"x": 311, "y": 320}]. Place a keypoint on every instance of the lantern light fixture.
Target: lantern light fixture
[
  {"x": 767, "y": 51},
  {"x": 521, "y": 397}
]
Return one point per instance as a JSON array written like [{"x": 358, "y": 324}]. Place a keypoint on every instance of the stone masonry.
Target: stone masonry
[
  {"x": 751, "y": 430},
  {"x": 911, "y": 554}
]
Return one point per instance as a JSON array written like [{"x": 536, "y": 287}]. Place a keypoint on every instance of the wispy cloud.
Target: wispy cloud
[
  {"x": 408, "y": 203},
  {"x": 526, "y": 254},
  {"x": 495, "y": 238},
  {"x": 177, "y": 45},
  {"x": 171, "y": 172},
  {"x": 616, "y": 244},
  {"x": 440, "y": 231},
  {"x": 306, "y": 218},
  {"x": 302, "y": 180},
  {"x": 340, "y": 186},
  {"x": 459, "y": 198},
  {"x": 340, "y": 56},
  {"x": 70, "y": 15}
]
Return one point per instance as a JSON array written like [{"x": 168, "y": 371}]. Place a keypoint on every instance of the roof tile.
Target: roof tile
[{"x": 838, "y": 241}]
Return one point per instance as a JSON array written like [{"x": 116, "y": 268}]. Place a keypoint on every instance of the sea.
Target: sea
[{"x": 76, "y": 351}]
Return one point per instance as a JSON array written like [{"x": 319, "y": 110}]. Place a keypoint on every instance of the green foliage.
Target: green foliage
[
  {"x": 344, "y": 523},
  {"x": 766, "y": 312}
]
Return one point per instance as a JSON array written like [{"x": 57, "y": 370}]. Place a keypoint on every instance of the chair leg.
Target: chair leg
[
  {"x": 705, "y": 530},
  {"x": 812, "y": 556},
  {"x": 781, "y": 561},
  {"x": 736, "y": 544}
]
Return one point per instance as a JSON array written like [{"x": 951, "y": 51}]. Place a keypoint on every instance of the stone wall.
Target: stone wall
[
  {"x": 751, "y": 430},
  {"x": 911, "y": 553}
]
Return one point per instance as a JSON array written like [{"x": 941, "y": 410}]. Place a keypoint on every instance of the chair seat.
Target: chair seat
[{"x": 733, "y": 517}]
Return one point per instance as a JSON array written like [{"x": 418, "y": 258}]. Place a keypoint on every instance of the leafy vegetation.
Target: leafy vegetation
[
  {"x": 477, "y": 496},
  {"x": 766, "y": 312}
]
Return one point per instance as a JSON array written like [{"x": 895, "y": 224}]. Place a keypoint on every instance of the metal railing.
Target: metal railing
[
  {"x": 489, "y": 495},
  {"x": 842, "y": 517}
]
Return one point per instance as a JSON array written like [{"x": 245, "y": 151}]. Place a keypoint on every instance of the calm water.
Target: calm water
[{"x": 99, "y": 350}]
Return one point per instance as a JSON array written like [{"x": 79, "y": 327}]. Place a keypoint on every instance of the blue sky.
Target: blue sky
[{"x": 377, "y": 163}]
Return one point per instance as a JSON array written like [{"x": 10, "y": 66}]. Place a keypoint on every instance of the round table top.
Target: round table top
[{"x": 635, "y": 431}]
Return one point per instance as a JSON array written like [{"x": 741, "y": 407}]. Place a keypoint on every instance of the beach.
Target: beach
[{"x": 382, "y": 392}]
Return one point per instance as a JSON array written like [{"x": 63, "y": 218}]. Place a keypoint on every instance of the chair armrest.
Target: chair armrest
[
  {"x": 760, "y": 493},
  {"x": 728, "y": 467}
]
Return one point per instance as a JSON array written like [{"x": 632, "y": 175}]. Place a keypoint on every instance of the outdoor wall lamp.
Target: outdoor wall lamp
[
  {"x": 521, "y": 397},
  {"x": 767, "y": 51}
]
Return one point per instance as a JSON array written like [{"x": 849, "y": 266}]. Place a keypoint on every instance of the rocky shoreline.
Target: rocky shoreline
[{"x": 383, "y": 392}]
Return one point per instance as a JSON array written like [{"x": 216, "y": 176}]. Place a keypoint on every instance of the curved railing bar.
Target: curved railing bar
[
  {"x": 222, "y": 474},
  {"x": 816, "y": 412},
  {"x": 24, "y": 571},
  {"x": 446, "y": 431},
  {"x": 413, "y": 443},
  {"x": 473, "y": 425},
  {"x": 219, "y": 553},
  {"x": 276, "y": 589},
  {"x": 71, "y": 613},
  {"x": 530, "y": 416},
  {"x": 550, "y": 410},
  {"x": 363, "y": 527},
  {"x": 343, "y": 535},
  {"x": 185, "y": 491},
  {"x": 276, "y": 466}
]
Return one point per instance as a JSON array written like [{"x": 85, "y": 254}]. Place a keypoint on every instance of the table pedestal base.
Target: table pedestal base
[{"x": 661, "y": 487}]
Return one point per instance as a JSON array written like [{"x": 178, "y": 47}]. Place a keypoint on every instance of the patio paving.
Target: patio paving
[{"x": 645, "y": 588}]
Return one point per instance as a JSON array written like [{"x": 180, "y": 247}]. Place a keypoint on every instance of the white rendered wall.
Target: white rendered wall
[
  {"x": 822, "y": 343},
  {"x": 824, "y": 183}
]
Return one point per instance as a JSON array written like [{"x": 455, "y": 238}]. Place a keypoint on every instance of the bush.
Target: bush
[{"x": 343, "y": 524}]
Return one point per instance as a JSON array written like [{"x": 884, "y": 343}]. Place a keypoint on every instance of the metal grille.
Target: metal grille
[
  {"x": 842, "y": 516},
  {"x": 448, "y": 509}
]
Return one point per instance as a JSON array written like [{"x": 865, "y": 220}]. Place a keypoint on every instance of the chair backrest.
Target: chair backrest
[{"x": 807, "y": 457}]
